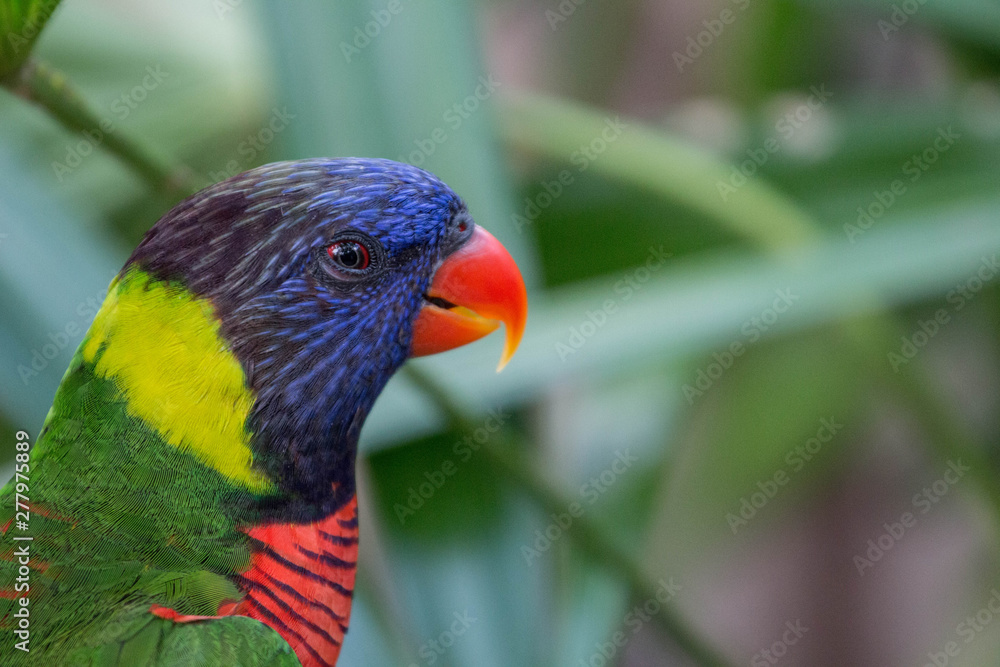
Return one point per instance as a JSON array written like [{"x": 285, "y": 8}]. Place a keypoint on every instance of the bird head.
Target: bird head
[{"x": 325, "y": 276}]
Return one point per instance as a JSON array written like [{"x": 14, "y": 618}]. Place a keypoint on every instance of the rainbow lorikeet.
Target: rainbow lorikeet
[{"x": 192, "y": 493}]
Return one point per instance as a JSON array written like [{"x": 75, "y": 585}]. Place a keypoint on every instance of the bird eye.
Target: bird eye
[
  {"x": 350, "y": 255},
  {"x": 349, "y": 258}
]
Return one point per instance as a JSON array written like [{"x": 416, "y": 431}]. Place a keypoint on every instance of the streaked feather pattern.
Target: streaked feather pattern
[{"x": 193, "y": 485}]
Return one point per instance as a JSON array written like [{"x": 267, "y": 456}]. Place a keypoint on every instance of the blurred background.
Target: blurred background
[{"x": 754, "y": 417}]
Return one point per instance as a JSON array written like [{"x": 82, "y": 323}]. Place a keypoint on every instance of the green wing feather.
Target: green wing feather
[
  {"x": 161, "y": 529},
  {"x": 156, "y": 642}
]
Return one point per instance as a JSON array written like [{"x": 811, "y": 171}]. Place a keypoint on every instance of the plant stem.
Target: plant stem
[
  {"x": 48, "y": 88},
  {"x": 585, "y": 533}
]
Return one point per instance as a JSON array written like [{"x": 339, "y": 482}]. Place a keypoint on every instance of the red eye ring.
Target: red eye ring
[{"x": 350, "y": 255}]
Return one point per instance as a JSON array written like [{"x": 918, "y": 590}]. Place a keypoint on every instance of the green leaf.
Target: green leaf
[
  {"x": 743, "y": 434},
  {"x": 626, "y": 150},
  {"x": 21, "y": 22}
]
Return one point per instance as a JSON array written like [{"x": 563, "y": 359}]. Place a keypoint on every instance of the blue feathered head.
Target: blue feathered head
[{"x": 326, "y": 275}]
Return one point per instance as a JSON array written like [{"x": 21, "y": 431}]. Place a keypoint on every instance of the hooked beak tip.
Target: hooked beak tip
[{"x": 473, "y": 290}]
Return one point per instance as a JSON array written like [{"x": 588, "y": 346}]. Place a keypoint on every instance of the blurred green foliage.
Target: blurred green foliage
[
  {"x": 654, "y": 373},
  {"x": 21, "y": 21}
]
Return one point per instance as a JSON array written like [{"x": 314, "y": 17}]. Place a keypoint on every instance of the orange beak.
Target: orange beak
[{"x": 475, "y": 289}]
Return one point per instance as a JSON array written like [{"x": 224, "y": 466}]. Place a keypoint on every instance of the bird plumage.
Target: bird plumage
[{"x": 192, "y": 489}]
